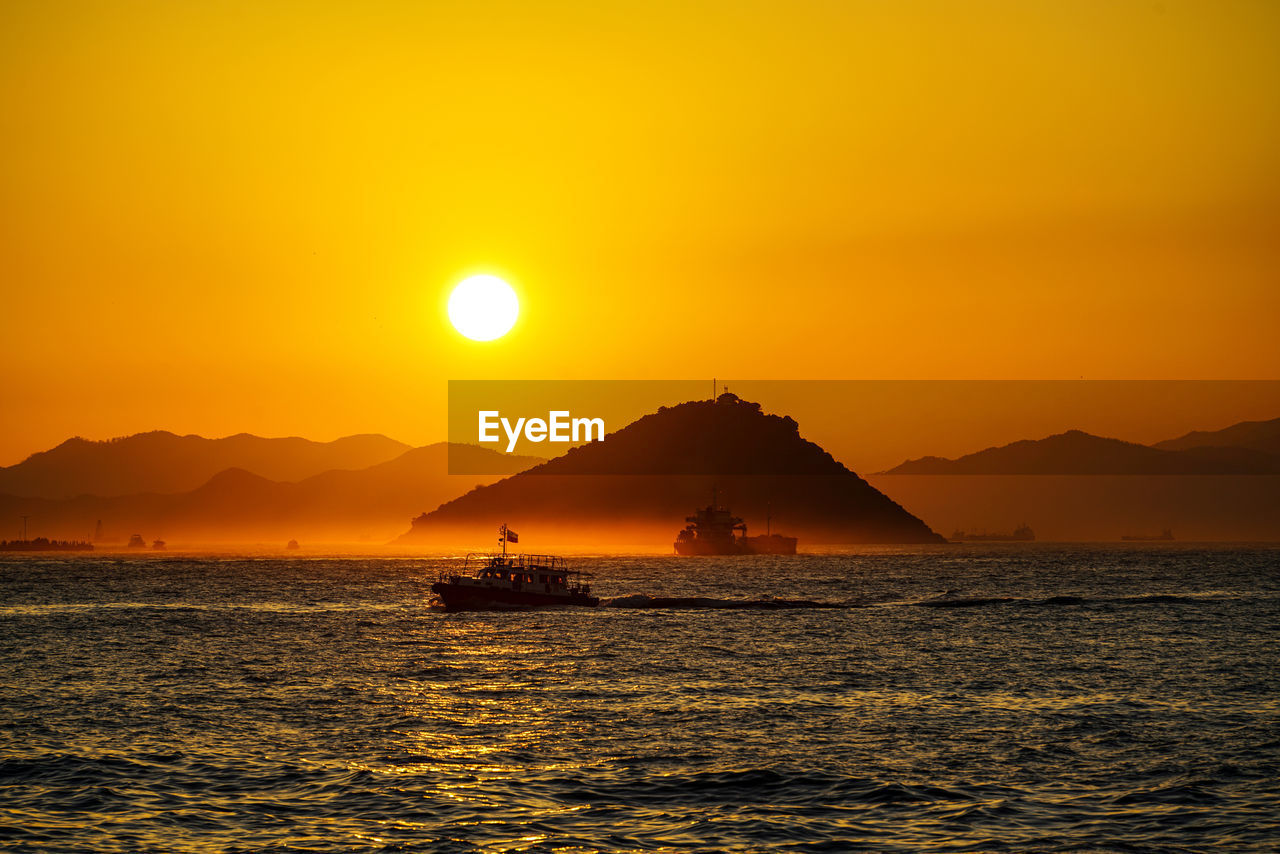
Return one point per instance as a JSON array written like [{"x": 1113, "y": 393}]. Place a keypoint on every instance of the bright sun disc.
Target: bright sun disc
[{"x": 483, "y": 308}]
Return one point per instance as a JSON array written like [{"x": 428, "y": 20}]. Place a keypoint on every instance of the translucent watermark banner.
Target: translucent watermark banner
[{"x": 889, "y": 427}]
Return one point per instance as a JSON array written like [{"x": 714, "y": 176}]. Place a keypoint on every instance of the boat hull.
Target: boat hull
[
  {"x": 771, "y": 544},
  {"x": 765, "y": 545},
  {"x": 993, "y": 538},
  {"x": 473, "y": 597}
]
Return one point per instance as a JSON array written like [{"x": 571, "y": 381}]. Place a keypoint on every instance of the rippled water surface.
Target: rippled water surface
[{"x": 1002, "y": 698}]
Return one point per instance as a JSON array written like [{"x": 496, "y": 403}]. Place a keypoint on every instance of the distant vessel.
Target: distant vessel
[
  {"x": 136, "y": 542},
  {"x": 1166, "y": 534},
  {"x": 44, "y": 544},
  {"x": 1021, "y": 534},
  {"x": 503, "y": 581},
  {"x": 714, "y": 532},
  {"x": 292, "y": 545},
  {"x": 158, "y": 545}
]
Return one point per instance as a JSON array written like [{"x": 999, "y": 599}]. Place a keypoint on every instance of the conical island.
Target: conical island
[{"x": 638, "y": 485}]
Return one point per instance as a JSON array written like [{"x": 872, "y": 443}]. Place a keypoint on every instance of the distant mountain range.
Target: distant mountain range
[
  {"x": 239, "y": 503},
  {"x": 1248, "y": 448},
  {"x": 1256, "y": 435},
  {"x": 165, "y": 462},
  {"x": 640, "y": 483},
  {"x": 645, "y": 478}
]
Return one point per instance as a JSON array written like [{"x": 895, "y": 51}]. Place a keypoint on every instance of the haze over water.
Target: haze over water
[{"x": 1060, "y": 698}]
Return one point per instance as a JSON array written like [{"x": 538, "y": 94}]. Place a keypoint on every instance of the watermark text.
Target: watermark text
[{"x": 558, "y": 426}]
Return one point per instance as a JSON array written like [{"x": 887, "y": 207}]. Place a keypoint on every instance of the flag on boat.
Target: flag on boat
[{"x": 512, "y": 536}]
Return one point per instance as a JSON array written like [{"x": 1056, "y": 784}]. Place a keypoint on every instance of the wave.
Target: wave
[
  {"x": 949, "y": 599},
  {"x": 1157, "y": 599},
  {"x": 776, "y": 786},
  {"x": 766, "y": 604},
  {"x": 953, "y": 599}
]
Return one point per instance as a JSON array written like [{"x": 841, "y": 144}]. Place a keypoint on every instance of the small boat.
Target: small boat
[
  {"x": 513, "y": 581},
  {"x": 136, "y": 542},
  {"x": 501, "y": 581},
  {"x": 1165, "y": 535},
  {"x": 292, "y": 545},
  {"x": 1021, "y": 534},
  {"x": 158, "y": 545}
]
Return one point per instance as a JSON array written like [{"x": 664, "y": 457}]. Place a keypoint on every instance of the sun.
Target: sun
[{"x": 483, "y": 308}]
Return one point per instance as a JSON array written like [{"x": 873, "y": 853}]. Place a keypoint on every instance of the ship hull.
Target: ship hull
[
  {"x": 473, "y": 597},
  {"x": 695, "y": 547},
  {"x": 994, "y": 538},
  {"x": 771, "y": 544},
  {"x": 767, "y": 545}
]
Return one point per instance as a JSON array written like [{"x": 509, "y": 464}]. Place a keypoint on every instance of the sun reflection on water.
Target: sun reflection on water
[{"x": 209, "y": 727}]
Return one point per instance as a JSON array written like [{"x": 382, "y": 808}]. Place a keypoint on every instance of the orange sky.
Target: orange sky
[{"x": 247, "y": 216}]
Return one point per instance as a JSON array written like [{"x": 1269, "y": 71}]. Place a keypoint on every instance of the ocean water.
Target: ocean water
[{"x": 1020, "y": 698}]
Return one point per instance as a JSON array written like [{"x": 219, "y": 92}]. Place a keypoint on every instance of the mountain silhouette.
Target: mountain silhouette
[
  {"x": 236, "y": 505},
  {"x": 1261, "y": 436},
  {"x": 160, "y": 461},
  {"x": 641, "y": 481},
  {"x": 1078, "y": 453}
]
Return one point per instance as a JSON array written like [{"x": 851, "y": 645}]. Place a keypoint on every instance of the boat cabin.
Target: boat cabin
[{"x": 531, "y": 573}]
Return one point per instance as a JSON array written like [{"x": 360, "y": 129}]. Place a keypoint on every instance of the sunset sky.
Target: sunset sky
[{"x": 231, "y": 217}]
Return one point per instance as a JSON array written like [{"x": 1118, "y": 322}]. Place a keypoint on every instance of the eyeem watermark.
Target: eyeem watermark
[
  {"x": 558, "y": 426},
  {"x": 870, "y": 426}
]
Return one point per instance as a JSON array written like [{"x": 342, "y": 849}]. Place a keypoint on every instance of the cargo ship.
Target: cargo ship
[
  {"x": 1021, "y": 534},
  {"x": 714, "y": 530},
  {"x": 1165, "y": 535}
]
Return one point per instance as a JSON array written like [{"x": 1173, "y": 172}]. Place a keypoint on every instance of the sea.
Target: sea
[{"x": 1003, "y": 697}]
